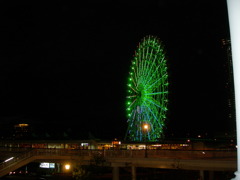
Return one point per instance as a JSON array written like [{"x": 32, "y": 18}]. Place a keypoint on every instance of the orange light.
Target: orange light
[
  {"x": 145, "y": 126},
  {"x": 67, "y": 166}
]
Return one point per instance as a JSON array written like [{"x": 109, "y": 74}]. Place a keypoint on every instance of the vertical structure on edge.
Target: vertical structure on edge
[
  {"x": 229, "y": 85},
  {"x": 234, "y": 23}
]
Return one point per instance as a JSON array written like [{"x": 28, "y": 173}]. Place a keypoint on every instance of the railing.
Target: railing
[
  {"x": 182, "y": 154},
  {"x": 17, "y": 159},
  {"x": 175, "y": 154},
  {"x": 49, "y": 153},
  {"x": 170, "y": 154}
]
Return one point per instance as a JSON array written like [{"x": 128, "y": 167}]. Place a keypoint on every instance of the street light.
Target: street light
[
  {"x": 146, "y": 128},
  {"x": 67, "y": 166}
]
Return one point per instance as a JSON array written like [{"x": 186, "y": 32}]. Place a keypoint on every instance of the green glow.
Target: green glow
[{"x": 148, "y": 91}]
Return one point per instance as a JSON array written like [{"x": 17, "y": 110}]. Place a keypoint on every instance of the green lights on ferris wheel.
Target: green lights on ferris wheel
[{"x": 147, "y": 91}]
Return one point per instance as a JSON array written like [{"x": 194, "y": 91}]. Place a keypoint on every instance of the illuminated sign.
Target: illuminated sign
[
  {"x": 51, "y": 165},
  {"x": 47, "y": 165}
]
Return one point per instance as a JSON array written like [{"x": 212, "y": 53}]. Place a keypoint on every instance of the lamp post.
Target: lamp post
[
  {"x": 146, "y": 129},
  {"x": 234, "y": 24}
]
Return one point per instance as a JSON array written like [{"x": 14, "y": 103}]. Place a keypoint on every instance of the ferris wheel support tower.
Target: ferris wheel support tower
[{"x": 234, "y": 24}]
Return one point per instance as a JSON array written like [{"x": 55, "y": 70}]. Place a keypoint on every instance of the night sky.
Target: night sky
[{"x": 66, "y": 64}]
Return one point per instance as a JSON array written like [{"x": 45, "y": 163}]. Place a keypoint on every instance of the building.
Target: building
[
  {"x": 229, "y": 104},
  {"x": 21, "y": 131}
]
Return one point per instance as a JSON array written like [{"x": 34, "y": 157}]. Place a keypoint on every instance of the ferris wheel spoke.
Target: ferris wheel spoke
[
  {"x": 135, "y": 75},
  {"x": 130, "y": 105},
  {"x": 156, "y": 104},
  {"x": 131, "y": 96},
  {"x": 132, "y": 116},
  {"x": 154, "y": 115},
  {"x": 136, "y": 65},
  {"x": 149, "y": 120},
  {"x": 142, "y": 64},
  {"x": 140, "y": 59},
  {"x": 129, "y": 85},
  {"x": 153, "y": 74},
  {"x": 148, "y": 63},
  {"x": 157, "y": 124},
  {"x": 159, "y": 72},
  {"x": 150, "y": 69},
  {"x": 164, "y": 92},
  {"x": 157, "y": 81},
  {"x": 146, "y": 59},
  {"x": 133, "y": 80},
  {"x": 136, "y": 70}
]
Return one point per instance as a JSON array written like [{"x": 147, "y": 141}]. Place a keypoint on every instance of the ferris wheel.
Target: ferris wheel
[{"x": 147, "y": 91}]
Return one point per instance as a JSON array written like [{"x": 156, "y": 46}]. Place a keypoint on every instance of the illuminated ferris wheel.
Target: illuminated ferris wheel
[{"x": 147, "y": 88}]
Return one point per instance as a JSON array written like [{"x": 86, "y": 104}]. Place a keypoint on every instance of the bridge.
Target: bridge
[{"x": 211, "y": 160}]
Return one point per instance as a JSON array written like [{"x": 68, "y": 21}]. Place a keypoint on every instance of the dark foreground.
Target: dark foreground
[{"x": 142, "y": 174}]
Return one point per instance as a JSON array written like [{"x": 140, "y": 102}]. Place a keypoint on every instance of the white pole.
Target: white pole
[{"x": 234, "y": 24}]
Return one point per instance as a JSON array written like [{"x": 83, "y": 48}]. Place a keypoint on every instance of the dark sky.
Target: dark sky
[{"x": 66, "y": 63}]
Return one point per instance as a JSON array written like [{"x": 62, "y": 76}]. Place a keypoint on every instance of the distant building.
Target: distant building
[
  {"x": 21, "y": 131},
  {"x": 229, "y": 82}
]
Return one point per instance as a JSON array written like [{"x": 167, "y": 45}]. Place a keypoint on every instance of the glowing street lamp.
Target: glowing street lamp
[
  {"x": 67, "y": 166},
  {"x": 146, "y": 127}
]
